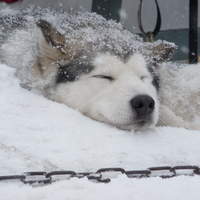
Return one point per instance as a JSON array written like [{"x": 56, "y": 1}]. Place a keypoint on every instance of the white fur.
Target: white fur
[
  {"x": 109, "y": 101},
  {"x": 101, "y": 99},
  {"x": 180, "y": 92}
]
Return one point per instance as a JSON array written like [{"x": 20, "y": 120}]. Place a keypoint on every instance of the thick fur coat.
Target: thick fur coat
[{"x": 99, "y": 68}]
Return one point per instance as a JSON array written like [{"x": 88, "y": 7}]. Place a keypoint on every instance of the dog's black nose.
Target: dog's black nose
[{"x": 143, "y": 105}]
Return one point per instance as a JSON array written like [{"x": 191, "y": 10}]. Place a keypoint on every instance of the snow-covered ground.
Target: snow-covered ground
[{"x": 37, "y": 134}]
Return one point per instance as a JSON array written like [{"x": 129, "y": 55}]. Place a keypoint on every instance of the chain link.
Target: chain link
[{"x": 103, "y": 175}]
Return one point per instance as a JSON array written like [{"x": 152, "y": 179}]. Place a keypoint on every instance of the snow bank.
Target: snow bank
[
  {"x": 119, "y": 189},
  {"x": 37, "y": 134}
]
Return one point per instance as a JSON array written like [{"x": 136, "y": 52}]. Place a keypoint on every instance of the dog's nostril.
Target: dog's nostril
[
  {"x": 139, "y": 105},
  {"x": 151, "y": 105},
  {"x": 143, "y": 105}
]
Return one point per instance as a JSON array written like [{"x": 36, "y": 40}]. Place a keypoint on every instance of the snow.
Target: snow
[
  {"x": 37, "y": 134},
  {"x": 120, "y": 188},
  {"x": 92, "y": 28}
]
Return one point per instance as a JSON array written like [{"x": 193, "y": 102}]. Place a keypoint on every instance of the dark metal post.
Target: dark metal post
[{"x": 193, "y": 31}]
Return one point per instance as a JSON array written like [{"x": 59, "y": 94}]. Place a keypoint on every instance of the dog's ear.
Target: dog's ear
[
  {"x": 54, "y": 45},
  {"x": 159, "y": 52},
  {"x": 51, "y": 35},
  {"x": 50, "y": 41}
]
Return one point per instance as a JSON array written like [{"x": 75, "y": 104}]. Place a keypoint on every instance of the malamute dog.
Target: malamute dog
[{"x": 90, "y": 64}]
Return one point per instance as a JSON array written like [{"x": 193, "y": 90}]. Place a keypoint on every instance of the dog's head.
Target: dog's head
[
  {"x": 106, "y": 85},
  {"x": 107, "y": 89}
]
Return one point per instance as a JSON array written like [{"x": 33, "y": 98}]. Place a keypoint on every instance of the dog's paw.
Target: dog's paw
[{"x": 192, "y": 126}]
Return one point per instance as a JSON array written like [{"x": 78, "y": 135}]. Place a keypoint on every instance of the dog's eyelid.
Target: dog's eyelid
[
  {"x": 104, "y": 77},
  {"x": 143, "y": 77}
]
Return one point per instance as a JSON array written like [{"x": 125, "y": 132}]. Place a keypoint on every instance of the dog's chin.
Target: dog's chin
[
  {"x": 136, "y": 126},
  {"x": 139, "y": 125}
]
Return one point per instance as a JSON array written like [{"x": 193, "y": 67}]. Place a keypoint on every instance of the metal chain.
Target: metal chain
[{"x": 103, "y": 175}]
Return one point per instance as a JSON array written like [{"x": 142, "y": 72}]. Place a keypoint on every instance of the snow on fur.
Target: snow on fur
[{"x": 90, "y": 27}]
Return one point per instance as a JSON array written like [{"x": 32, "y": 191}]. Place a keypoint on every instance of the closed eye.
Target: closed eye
[
  {"x": 143, "y": 77},
  {"x": 110, "y": 78}
]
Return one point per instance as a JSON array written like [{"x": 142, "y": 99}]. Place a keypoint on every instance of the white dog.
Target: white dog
[{"x": 95, "y": 66}]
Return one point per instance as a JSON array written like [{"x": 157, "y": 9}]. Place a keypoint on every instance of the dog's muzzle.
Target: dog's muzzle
[{"x": 143, "y": 106}]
